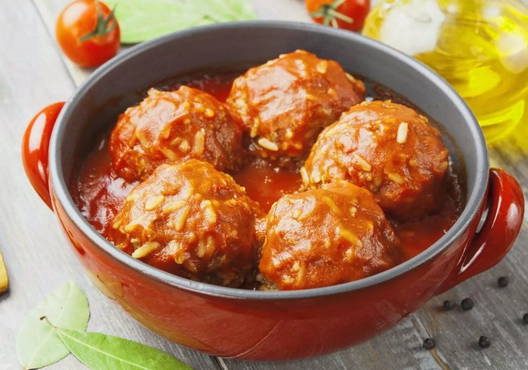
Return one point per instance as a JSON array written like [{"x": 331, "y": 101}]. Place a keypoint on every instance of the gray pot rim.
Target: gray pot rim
[{"x": 62, "y": 194}]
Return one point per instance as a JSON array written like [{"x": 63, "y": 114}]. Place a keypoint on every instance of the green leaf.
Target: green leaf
[
  {"x": 100, "y": 351},
  {"x": 223, "y": 10},
  {"x": 142, "y": 20},
  {"x": 37, "y": 344}
]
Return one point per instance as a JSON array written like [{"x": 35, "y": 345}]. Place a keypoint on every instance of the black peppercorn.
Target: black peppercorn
[
  {"x": 484, "y": 342},
  {"x": 429, "y": 343},
  {"x": 448, "y": 305},
  {"x": 503, "y": 282},
  {"x": 525, "y": 318},
  {"x": 467, "y": 304}
]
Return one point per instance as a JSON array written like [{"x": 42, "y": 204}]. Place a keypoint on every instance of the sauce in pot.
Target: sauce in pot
[{"x": 99, "y": 192}]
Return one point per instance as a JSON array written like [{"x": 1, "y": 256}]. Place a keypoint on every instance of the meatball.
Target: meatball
[
  {"x": 191, "y": 220},
  {"x": 171, "y": 126},
  {"x": 326, "y": 236},
  {"x": 286, "y": 102},
  {"x": 387, "y": 148}
]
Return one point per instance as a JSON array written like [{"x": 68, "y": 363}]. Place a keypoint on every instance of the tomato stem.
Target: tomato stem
[
  {"x": 103, "y": 26},
  {"x": 340, "y": 16},
  {"x": 330, "y": 14}
]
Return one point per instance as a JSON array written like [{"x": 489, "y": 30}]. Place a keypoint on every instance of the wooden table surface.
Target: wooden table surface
[{"x": 33, "y": 74}]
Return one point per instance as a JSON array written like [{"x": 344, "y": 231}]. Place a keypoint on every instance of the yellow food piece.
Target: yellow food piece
[
  {"x": 481, "y": 48},
  {"x": 4, "y": 280}
]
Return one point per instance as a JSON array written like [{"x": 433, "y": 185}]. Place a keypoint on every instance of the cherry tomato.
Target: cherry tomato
[
  {"x": 347, "y": 14},
  {"x": 88, "y": 32}
]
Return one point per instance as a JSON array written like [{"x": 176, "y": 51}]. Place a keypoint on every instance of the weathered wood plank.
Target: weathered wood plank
[{"x": 49, "y": 10}]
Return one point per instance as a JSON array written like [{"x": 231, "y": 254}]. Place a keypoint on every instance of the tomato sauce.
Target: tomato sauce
[{"x": 99, "y": 192}]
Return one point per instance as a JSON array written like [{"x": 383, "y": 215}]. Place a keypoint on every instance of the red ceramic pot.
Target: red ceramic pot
[{"x": 283, "y": 324}]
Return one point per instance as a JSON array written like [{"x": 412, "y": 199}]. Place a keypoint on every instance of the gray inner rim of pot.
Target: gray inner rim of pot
[{"x": 122, "y": 81}]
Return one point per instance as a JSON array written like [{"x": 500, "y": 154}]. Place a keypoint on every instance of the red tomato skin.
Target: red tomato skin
[
  {"x": 78, "y": 19},
  {"x": 355, "y": 9}
]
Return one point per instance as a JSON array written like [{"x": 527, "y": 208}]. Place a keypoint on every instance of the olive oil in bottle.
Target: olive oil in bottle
[{"x": 479, "y": 46}]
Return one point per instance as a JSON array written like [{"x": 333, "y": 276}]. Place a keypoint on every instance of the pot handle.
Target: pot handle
[
  {"x": 505, "y": 205},
  {"x": 35, "y": 146}
]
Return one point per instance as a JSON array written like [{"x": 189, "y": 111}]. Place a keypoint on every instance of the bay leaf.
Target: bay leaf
[
  {"x": 223, "y": 10},
  {"x": 101, "y": 351},
  {"x": 37, "y": 344},
  {"x": 142, "y": 20}
]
